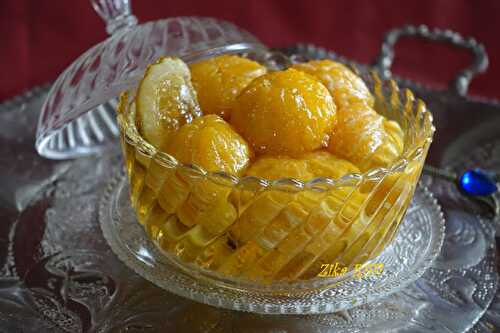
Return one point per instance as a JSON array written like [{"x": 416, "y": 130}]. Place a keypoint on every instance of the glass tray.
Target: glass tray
[{"x": 57, "y": 273}]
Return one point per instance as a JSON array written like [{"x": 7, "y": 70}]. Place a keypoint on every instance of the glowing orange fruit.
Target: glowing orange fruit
[
  {"x": 211, "y": 143},
  {"x": 345, "y": 86},
  {"x": 286, "y": 112},
  {"x": 366, "y": 138},
  {"x": 220, "y": 79},
  {"x": 308, "y": 166}
]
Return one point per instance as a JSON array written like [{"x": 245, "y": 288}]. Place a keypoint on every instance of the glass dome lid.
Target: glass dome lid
[{"x": 78, "y": 116}]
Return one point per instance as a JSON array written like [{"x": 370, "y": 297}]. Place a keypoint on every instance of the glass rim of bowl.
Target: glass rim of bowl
[{"x": 410, "y": 153}]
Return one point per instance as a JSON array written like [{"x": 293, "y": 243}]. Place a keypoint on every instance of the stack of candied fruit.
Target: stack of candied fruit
[{"x": 231, "y": 114}]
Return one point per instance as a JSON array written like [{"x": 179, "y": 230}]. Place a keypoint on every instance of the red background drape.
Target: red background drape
[{"x": 38, "y": 39}]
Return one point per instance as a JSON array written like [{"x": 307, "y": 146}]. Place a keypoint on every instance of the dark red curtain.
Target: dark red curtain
[{"x": 38, "y": 39}]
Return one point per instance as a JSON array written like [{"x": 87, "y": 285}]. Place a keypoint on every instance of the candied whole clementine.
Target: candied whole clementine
[
  {"x": 211, "y": 143},
  {"x": 220, "y": 79},
  {"x": 345, "y": 86},
  {"x": 316, "y": 164},
  {"x": 285, "y": 112},
  {"x": 324, "y": 164},
  {"x": 308, "y": 166},
  {"x": 273, "y": 168},
  {"x": 366, "y": 138}
]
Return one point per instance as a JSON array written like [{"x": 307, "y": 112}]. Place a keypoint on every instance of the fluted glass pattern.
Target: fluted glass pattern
[{"x": 256, "y": 230}]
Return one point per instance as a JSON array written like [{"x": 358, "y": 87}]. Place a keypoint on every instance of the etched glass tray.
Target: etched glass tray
[
  {"x": 414, "y": 248},
  {"x": 57, "y": 273}
]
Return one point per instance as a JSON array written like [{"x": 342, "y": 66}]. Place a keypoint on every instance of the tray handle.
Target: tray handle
[{"x": 460, "y": 83}]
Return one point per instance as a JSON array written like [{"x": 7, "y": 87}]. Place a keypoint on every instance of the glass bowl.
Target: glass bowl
[{"x": 244, "y": 238}]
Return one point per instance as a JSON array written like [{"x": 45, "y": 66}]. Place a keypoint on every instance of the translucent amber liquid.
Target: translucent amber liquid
[{"x": 269, "y": 235}]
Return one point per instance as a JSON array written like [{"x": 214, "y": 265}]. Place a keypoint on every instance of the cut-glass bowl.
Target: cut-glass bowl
[{"x": 354, "y": 219}]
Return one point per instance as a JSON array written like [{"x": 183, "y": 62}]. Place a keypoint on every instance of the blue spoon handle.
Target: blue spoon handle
[{"x": 476, "y": 184}]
